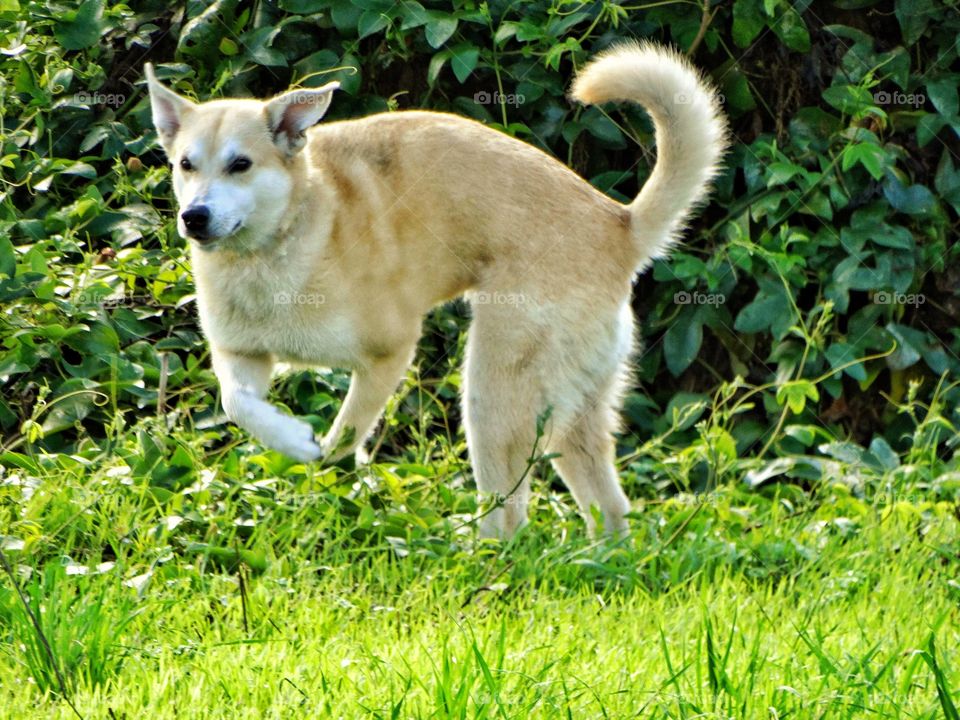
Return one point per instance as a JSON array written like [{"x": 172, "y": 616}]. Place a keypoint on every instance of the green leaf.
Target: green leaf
[
  {"x": 299, "y": 7},
  {"x": 371, "y": 22},
  {"x": 228, "y": 47},
  {"x": 440, "y": 28},
  {"x": 463, "y": 60},
  {"x": 506, "y": 31},
  {"x": 913, "y": 16},
  {"x": 912, "y": 200},
  {"x": 853, "y": 273},
  {"x": 82, "y": 28},
  {"x": 229, "y": 559},
  {"x": 8, "y": 259},
  {"x": 602, "y": 127},
  {"x": 849, "y": 99},
  {"x": 413, "y": 15},
  {"x": 684, "y": 408},
  {"x": 844, "y": 451},
  {"x": 345, "y": 15},
  {"x": 748, "y": 21},
  {"x": 841, "y": 354},
  {"x": 436, "y": 65},
  {"x": 66, "y": 412},
  {"x": 80, "y": 169},
  {"x": 100, "y": 340},
  {"x": 258, "y": 46},
  {"x": 943, "y": 95},
  {"x": 947, "y": 180},
  {"x": 770, "y": 309},
  {"x": 906, "y": 353},
  {"x": 928, "y": 127},
  {"x": 796, "y": 393},
  {"x": 870, "y": 156},
  {"x": 200, "y": 37},
  {"x": 682, "y": 341},
  {"x": 884, "y": 454},
  {"x": 791, "y": 28},
  {"x": 781, "y": 172},
  {"x": 893, "y": 236},
  {"x": 736, "y": 91}
]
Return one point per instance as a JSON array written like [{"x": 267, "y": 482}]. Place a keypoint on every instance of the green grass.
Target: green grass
[{"x": 332, "y": 593}]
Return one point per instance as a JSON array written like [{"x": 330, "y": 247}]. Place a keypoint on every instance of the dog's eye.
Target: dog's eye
[
  {"x": 186, "y": 164},
  {"x": 241, "y": 164}
]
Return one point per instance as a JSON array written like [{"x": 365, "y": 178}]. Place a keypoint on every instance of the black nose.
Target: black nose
[{"x": 196, "y": 219}]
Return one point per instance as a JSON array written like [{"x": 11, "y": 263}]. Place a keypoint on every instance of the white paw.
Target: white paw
[{"x": 293, "y": 438}]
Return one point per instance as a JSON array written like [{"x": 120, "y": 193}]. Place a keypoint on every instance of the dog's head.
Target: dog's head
[{"x": 233, "y": 160}]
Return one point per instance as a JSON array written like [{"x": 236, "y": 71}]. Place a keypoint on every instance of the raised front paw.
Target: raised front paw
[{"x": 293, "y": 438}]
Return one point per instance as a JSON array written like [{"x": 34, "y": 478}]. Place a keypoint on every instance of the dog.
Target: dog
[{"x": 325, "y": 245}]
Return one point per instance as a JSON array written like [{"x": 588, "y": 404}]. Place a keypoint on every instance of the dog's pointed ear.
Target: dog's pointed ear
[
  {"x": 168, "y": 108},
  {"x": 289, "y": 115}
]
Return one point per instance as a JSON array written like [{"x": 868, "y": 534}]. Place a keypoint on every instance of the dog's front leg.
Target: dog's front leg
[
  {"x": 370, "y": 388},
  {"x": 244, "y": 381}
]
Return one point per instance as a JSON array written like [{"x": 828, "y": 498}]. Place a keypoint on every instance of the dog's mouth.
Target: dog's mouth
[{"x": 207, "y": 241}]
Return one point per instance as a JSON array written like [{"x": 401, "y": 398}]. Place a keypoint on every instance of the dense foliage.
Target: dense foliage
[{"x": 823, "y": 273}]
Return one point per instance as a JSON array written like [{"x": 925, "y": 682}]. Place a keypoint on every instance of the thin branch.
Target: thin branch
[{"x": 705, "y": 21}]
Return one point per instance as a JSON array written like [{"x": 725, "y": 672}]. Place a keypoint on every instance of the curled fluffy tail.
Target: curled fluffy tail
[{"x": 691, "y": 133}]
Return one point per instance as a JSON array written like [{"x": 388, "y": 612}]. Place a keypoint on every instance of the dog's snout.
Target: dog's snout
[{"x": 196, "y": 219}]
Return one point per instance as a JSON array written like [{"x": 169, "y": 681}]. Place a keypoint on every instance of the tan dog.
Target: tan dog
[{"x": 325, "y": 246}]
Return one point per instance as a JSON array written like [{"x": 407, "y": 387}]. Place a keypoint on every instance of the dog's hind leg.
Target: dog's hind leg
[
  {"x": 583, "y": 438},
  {"x": 502, "y": 401},
  {"x": 501, "y": 442},
  {"x": 585, "y": 462}
]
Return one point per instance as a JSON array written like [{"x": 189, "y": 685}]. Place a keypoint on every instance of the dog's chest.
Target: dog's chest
[{"x": 256, "y": 314}]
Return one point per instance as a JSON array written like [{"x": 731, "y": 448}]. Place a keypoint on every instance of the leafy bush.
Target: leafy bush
[{"x": 810, "y": 319}]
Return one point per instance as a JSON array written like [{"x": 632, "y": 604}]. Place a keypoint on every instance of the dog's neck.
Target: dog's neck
[{"x": 310, "y": 211}]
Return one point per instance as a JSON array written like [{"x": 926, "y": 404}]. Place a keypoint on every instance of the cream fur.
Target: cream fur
[{"x": 329, "y": 250}]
